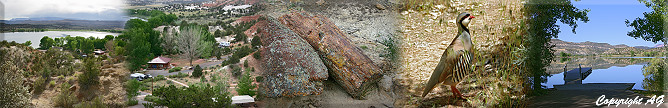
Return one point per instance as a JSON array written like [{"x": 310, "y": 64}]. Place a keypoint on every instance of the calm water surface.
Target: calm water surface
[
  {"x": 34, "y": 37},
  {"x": 605, "y": 70}
]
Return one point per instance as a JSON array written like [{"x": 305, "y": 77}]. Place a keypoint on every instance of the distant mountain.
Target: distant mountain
[
  {"x": 59, "y": 23},
  {"x": 41, "y": 19},
  {"x": 643, "y": 47},
  {"x": 659, "y": 46},
  {"x": 593, "y": 48}
]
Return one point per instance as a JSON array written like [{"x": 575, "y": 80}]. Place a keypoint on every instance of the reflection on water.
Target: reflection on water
[
  {"x": 605, "y": 70},
  {"x": 655, "y": 74}
]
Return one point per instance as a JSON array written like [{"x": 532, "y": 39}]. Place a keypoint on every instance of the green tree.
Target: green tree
[
  {"x": 255, "y": 42},
  {"x": 542, "y": 18},
  {"x": 46, "y": 43},
  {"x": 197, "y": 71},
  {"x": 27, "y": 43},
  {"x": 651, "y": 27},
  {"x": 218, "y": 33},
  {"x": 90, "y": 75},
  {"x": 246, "y": 86},
  {"x": 200, "y": 96}
]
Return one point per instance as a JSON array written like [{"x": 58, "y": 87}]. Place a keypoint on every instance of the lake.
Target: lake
[
  {"x": 605, "y": 70},
  {"x": 34, "y": 37}
]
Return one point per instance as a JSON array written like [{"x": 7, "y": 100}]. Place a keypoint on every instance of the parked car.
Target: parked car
[
  {"x": 140, "y": 76},
  {"x": 244, "y": 101}
]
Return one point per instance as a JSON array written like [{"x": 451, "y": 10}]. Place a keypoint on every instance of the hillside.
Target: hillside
[
  {"x": 593, "y": 48},
  {"x": 59, "y": 23}
]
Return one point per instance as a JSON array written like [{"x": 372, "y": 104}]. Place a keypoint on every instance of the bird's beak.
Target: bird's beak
[{"x": 472, "y": 16}]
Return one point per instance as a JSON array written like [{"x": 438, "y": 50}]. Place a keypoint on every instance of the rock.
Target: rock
[
  {"x": 293, "y": 66},
  {"x": 380, "y": 7},
  {"x": 353, "y": 70},
  {"x": 320, "y": 2},
  {"x": 386, "y": 83}
]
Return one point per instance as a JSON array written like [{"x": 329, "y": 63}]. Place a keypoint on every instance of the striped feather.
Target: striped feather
[{"x": 462, "y": 68}]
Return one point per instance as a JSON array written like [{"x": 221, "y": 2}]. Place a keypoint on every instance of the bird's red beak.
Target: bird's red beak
[{"x": 472, "y": 16}]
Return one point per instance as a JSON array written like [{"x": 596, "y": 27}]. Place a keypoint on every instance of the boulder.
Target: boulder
[
  {"x": 292, "y": 66},
  {"x": 349, "y": 67}
]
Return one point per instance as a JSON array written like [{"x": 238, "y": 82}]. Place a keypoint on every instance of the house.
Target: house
[{"x": 159, "y": 63}]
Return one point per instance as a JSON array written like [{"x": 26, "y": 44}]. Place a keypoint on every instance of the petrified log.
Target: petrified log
[
  {"x": 349, "y": 66},
  {"x": 292, "y": 66}
]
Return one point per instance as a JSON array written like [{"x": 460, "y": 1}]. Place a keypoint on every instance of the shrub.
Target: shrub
[
  {"x": 236, "y": 71},
  {"x": 65, "y": 98},
  {"x": 38, "y": 87},
  {"x": 193, "y": 96},
  {"x": 132, "y": 102},
  {"x": 257, "y": 55},
  {"x": 255, "y": 42},
  {"x": 52, "y": 83},
  {"x": 246, "y": 64},
  {"x": 180, "y": 75},
  {"x": 202, "y": 79},
  {"x": 95, "y": 103},
  {"x": 148, "y": 105},
  {"x": 89, "y": 77},
  {"x": 259, "y": 78},
  {"x": 132, "y": 88},
  {"x": 197, "y": 72},
  {"x": 175, "y": 69}
]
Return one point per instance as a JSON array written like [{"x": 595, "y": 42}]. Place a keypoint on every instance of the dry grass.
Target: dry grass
[{"x": 496, "y": 33}]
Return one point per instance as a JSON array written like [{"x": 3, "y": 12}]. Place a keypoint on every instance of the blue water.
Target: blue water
[{"x": 614, "y": 74}]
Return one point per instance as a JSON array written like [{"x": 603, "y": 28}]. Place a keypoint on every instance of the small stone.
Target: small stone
[
  {"x": 320, "y": 2},
  {"x": 380, "y": 7}
]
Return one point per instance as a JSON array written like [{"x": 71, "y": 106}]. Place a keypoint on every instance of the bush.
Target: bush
[
  {"x": 257, "y": 55},
  {"x": 89, "y": 77},
  {"x": 132, "y": 88},
  {"x": 197, "y": 72},
  {"x": 38, "y": 87},
  {"x": 148, "y": 105},
  {"x": 259, "y": 78},
  {"x": 158, "y": 78},
  {"x": 236, "y": 71},
  {"x": 132, "y": 102},
  {"x": 95, "y": 103},
  {"x": 180, "y": 75},
  {"x": 65, "y": 98},
  {"x": 175, "y": 69},
  {"x": 193, "y": 96},
  {"x": 246, "y": 64},
  {"x": 52, "y": 83}
]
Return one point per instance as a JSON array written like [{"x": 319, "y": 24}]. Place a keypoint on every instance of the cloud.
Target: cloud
[{"x": 75, "y": 9}]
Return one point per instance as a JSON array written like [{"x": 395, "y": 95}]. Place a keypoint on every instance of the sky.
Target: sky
[
  {"x": 72, "y": 9},
  {"x": 606, "y": 22}
]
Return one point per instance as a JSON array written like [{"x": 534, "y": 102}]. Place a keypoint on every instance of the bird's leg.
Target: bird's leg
[{"x": 455, "y": 92}]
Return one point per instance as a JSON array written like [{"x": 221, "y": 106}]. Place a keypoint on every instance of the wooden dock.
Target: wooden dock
[{"x": 576, "y": 75}]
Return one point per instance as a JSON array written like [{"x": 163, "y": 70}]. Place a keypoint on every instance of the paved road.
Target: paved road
[{"x": 166, "y": 73}]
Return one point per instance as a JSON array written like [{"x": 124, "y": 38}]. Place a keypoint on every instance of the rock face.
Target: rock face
[
  {"x": 349, "y": 66},
  {"x": 293, "y": 66}
]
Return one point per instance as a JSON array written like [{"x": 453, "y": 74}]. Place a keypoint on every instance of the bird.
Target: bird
[{"x": 454, "y": 64}]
